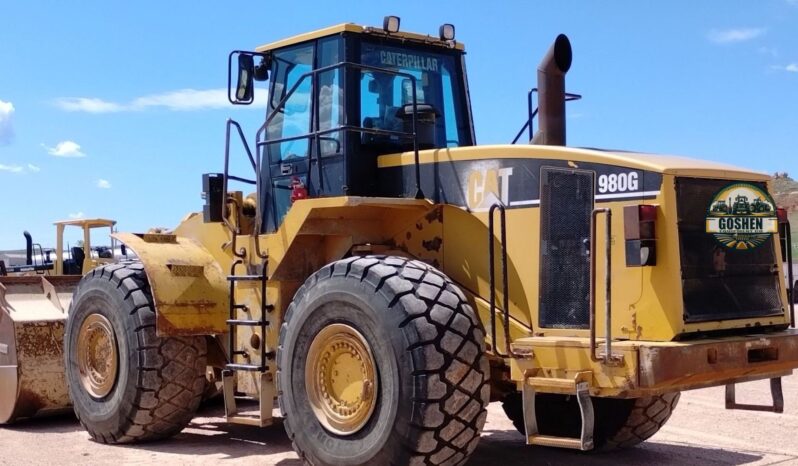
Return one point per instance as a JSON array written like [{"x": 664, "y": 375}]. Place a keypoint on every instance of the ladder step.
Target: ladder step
[
  {"x": 582, "y": 391},
  {"x": 776, "y": 393},
  {"x": 252, "y": 323},
  {"x": 236, "y": 278},
  {"x": 240, "y": 306},
  {"x": 246, "y": 367},
  {"x": 250, "y": 421},
  {"x": 556, "y": 442}
]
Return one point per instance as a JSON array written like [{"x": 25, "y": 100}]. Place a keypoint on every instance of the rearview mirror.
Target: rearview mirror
[
  {"x": 246, "y": 78},
  {"x": 246, "y": 75}
]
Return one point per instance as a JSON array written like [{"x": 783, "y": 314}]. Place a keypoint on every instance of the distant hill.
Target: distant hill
[{"x": 785, "y": 193}]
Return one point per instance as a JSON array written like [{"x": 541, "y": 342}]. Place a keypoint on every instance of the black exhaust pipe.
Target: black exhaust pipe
[
  {"x": 551, "y": 93},
  {"x": 28, "y": 248}
]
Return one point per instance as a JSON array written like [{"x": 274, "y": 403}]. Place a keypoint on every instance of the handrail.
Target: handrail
[
  {"x": 505, "y": 286},
  {"x": 608, "y": 358},
  {"x": 531, "y": 114},
  {"x": 235, "y": 230},
  {"x": 791, "y": 282}
]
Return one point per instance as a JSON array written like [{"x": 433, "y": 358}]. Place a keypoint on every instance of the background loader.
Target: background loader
[
  {"x": 388, "y": 278},
  {"x": 34, "y": 298}
]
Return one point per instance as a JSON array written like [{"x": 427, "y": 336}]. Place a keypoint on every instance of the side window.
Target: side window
[
  {"x": 449, "y": 116},
  {"x": 293, "y": 117},
  {"x": 330, "y": 96}
]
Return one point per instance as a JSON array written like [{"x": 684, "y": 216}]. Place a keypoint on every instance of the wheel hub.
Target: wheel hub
[
  {"x": 97, "y": 355},
  {"x": 340, "y": 378}
]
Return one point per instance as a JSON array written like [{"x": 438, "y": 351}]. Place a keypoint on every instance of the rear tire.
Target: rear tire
[
  {"x": 619, "y": 423},
  {"x": 421, "y": 340},
  {"x": 158, "y": 382}
]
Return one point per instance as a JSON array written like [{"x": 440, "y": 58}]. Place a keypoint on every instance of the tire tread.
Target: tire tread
[
  {"x": 449, "y": 410},
  {"x": 153, "y": 414}
]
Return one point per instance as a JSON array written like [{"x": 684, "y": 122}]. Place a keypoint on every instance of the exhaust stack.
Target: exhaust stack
[
  {"x": 28, "y": 248},
  {"x": 551, "y": 93}
]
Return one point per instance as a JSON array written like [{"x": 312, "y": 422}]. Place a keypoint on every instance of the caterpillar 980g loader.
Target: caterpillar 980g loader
[{"x": 387, "y": 278}]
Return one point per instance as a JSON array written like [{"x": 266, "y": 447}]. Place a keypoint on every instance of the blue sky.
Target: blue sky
[{"x": 116, "y": 109}]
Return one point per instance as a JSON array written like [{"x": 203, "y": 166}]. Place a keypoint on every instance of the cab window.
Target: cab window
[
  {"x": 293, "y": 118},
  {"x": 383, "y": 96}
]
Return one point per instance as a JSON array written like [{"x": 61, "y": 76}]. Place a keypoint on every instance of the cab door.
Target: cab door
[{"x": 302, "y": 147}]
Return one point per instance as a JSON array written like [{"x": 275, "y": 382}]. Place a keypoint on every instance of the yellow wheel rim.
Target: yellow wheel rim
[
  {"x": 97, "y": 356},
  {"x": 341, "y": 379}
]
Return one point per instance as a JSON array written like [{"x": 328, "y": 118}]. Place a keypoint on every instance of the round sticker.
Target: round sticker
[{"x": 742, "y": 216}]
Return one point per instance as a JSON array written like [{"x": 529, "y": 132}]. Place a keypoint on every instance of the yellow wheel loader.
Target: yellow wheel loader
[
  {"x": 381, "y": 278},
  {"x": 34, "y": 298}
]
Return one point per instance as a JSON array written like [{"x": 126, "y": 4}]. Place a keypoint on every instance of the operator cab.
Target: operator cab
[{"x": 340, "y": 97}]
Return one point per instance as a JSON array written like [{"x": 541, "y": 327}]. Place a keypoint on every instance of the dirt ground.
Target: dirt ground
[{"x": 701, "y": 432}]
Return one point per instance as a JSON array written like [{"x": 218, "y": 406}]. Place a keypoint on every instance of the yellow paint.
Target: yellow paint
[
  {"x": 185, "y": 305},
  {"x": 668, "y": 164},
  {"x": 357, "y": 29}
]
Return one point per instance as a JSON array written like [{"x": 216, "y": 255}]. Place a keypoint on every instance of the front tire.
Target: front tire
[
  {"x": 126, "y": 383},
  {"x": 407, "y": 325}
]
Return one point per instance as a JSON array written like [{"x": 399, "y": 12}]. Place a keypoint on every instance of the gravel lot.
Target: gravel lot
[{"x": 700, "y": 432}]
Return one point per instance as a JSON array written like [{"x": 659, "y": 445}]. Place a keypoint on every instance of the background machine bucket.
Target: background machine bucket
[{"x": 32, "y": 315}]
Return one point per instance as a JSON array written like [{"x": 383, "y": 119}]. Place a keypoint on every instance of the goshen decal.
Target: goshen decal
[{"x": 742, "y": 216}]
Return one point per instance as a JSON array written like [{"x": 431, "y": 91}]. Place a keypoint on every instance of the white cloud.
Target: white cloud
[
  {"x": 76, "y": 215},
  {"x": 12, "y": 168},
  {"x": 103, "y": 184},
  {"x": 728, "y": 36},
  {"x": 6, "y": 120},
  {"x": 65, "y": 149},
  {"x": 180, "y": 100},
  {"x": 30, "y": 168},
  {"x": 792, "y": 67},
  {"x": 86, "y": 104}
]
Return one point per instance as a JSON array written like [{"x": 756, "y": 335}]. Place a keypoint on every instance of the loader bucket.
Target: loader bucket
[{"x": 32, "y": 315}]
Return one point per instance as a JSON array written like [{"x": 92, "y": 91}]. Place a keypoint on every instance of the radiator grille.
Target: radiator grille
[{"x": 566, "y": 204}]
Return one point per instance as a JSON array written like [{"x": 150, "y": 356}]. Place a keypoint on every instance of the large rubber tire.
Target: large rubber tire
[
  {"x": 159, "y": 382},
  {"x": 619, "y": 423},
  {"x": 428, "y": 346}
]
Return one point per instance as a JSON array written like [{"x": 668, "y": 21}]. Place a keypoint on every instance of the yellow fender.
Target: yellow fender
[{"x": 189, "y": 288}]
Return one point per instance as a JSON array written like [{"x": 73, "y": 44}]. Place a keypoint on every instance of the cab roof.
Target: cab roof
[
  {"x": 355, "y": 28},
  {"x": 89, "y": 222}
]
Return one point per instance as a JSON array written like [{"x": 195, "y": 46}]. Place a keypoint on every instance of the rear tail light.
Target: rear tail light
[
  {"x": 781, "y": 214},
  {"x": 784, "y": 233},
  {"x": 639, "y": 227}
]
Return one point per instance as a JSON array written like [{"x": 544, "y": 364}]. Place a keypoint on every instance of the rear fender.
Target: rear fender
[{"x": 189, "y": 289}]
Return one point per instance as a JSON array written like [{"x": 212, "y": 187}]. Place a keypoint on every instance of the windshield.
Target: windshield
[{"x": 382, "y": 95}]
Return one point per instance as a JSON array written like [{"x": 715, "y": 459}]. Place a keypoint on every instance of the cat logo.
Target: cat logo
[
  {"x": 741, "y": 216},
  {"x": 488, "y": 186}
]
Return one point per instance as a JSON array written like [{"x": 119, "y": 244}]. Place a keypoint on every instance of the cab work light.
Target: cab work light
[
  {"x": 390, "y": 24},
  {"x": 446, "y": 32},
  {"x": 639, "y": 234}
]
